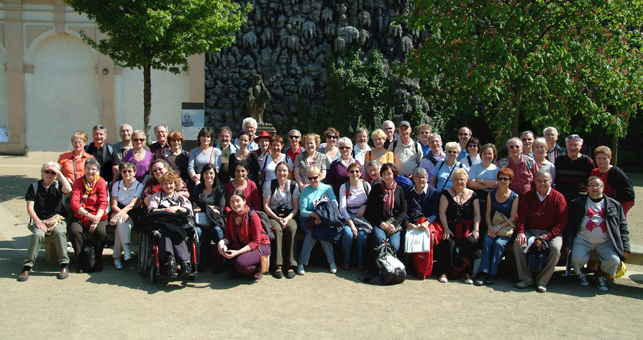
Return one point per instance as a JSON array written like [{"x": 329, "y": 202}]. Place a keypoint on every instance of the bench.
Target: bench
[{"x": 51, "y": 254}]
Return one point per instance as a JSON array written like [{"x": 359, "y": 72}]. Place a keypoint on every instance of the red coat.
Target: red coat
[
  {"x": 96, "y": 201},
  {"x": 257, "y": 237}
]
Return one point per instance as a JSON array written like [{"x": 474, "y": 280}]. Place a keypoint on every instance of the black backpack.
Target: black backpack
[
  {"x": 390, "y": 269},
  {"x": 87, "y": 256}
]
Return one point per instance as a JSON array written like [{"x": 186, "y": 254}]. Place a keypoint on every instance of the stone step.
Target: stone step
[{"x": 636, "y": 254}]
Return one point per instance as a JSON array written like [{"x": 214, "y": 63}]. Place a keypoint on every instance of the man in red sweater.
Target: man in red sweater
[{"x": 542, "y": 212}]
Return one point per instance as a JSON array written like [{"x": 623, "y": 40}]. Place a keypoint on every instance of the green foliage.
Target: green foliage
[{"x": 538, "y": 61}]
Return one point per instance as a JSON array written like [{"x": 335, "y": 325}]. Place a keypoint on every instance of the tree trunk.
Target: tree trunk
[
  {"x": 147, "y": 102},
  {"x": 614, "y": 151}
]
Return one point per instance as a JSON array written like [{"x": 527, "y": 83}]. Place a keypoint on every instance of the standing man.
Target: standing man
[
  {"x": 464, "y": 134},
  {"x": 527, "y": 138},
  {"x": 389, "y": 129},
  {"x": 226, "y": 148},
  {"x": 424, "y": 130},
  {"x": 542, "y": 212},
  {"x": 434, "y": 156},
  {"x": 573, "y": 169},
  {"x": 105, "y": 154},
  {"x": 125, "y": 145},
  {"x": 408, "y": 153},
  {"x": 524, "y": 167},
  {"x": 597, "y": 222},
  {"x": 553, "y": 149},
  {"x": 361, "y": 146},
  {"x": 249, "y": 126},
  {"x": 161, "y": 146}
]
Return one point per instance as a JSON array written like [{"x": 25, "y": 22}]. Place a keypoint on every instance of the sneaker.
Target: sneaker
[
  {"x": 127, "y": 255},
  {"x": 479, "y": 280},
  {"x": 541, "y": 289},
  {"x": 582, "y": 279},
  {"x": 601, "y": 282},
  {"x": 333, "y": 268},
  {"x": 525, "y": 283},
  {"x": 443, "y": 279},
  {"x": 118, "y": 264},
  {"x": 467, "y": 279},
  {"x": 300, "y": 269}
]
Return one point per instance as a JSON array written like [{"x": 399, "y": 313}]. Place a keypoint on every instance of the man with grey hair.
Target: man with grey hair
[
  {"x": 407, "y": 152},
  {"x": 573, "y": 169},
  {"x": 250, "y": 126},
  {"x": 161, "y": 146},
  {"x": 523, "y": 167},
  {"x": 389, "y": 129},
  {"x": 553, "y": 149},
  {"x": 361, "y": 146},
  {"x": 125, "y": 145},
  {"x": 435, "y": 155},
  {"x": 294, "y": 138}
]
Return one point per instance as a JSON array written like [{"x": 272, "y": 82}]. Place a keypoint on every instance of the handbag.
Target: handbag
[
  {"x": 87, "y": 256},
  {"x": 507, "y": 231},
  {"x": 417, "y": 241}
]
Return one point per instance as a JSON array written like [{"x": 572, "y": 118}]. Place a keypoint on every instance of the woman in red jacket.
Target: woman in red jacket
[
  {"x": 244, "y": 241},
  {"x": 89, "y": 204}
]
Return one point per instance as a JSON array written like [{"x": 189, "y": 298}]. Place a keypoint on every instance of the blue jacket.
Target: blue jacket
[{"x": 428, "y": 201}]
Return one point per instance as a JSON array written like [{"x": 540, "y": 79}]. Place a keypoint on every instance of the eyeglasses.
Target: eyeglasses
[
  {"x": 314, "y": 178},
  {"x": 158, "y": 170},
  {"x": 424, "y": 132},
  {"x": 502, "y": 179},
  {"x": 389, "y": 128},
  {"x": 127, "y": 171},
  {"x": 451, "y": 151},
  {"x": 514, "y": 146},
  {"x": 294, "y": 137},
  {"x": 463, "y": 134},
  {"x": 99, "y": 127},
  {"x": 472, "y": 146},
  {"x": 355, "y": 172},
  {"x": 49, "y": 172},
  {"x": 344, "y": 147},
  {"x": 331, "y": 137},
  {"x": 596, "y": 186},
  {"x": 138, "y": 139}
]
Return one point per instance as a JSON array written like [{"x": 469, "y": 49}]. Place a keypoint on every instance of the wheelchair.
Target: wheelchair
[{"x": 149, "y": 259}]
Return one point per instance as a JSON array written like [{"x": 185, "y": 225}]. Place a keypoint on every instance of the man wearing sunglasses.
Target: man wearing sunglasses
[
  {"x": 524, "y": 167},
  {"x": 104, "y": 154},
  {"x": 408, "y": 153},
  {"x": 389, "y": 129},
  {"x": 294, "y": 137}
]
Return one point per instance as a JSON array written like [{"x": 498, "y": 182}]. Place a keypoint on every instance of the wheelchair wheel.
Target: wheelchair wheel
[{"x": 143, "y": 254}]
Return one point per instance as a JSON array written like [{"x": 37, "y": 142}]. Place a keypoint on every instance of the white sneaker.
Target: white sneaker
[
  {"x": 333, "y": 268},
  {"x": 300, "y": 269},
  {"x": 582, "y": 279},
  {"x": 127, "y": 255},
  {"x": 118, "y": 264},
  {"x": 601, "y": 282}
]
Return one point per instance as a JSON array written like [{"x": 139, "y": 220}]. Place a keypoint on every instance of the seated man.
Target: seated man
[
  {"x": 597, "y": 222},
  {"x": 542, "y": 212}
]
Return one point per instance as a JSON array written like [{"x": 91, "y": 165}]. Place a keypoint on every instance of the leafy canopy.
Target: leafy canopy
[{"x": 537, "y": 60}]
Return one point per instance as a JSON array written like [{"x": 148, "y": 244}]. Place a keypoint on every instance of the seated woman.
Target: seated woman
[
  {"x": 89, "y": 204},
  {"x": 208, "y": 204},
  {"x": 314, "y": 190},
  {"x": 338, "y": 172},
  {"x": 243, "y": 241},
  {"x": 352, "y": 204},
  {"x": 281, "y": 204},
  {"x": 460, "y": 218},
  {"x": 242, "y": 183},
  {"x": 617, "y": 185},
  {"x": 151, "y": 183},
  {"x": 386, "y": 208},
  {"x": 170, "y": 201},
  {"x": 504, "y": 201},
  {"x": 45, "y": 207},
  {"x": 126, "y": 195},
  {"x": 243, "y": 155},
  {"x": 139, "y": 155},
  {"x": 203, "y": 154},
  {"x": 176, "y": 156},
  {"x": 423, "y": 197},
  {"x": 373, "y": 168}
]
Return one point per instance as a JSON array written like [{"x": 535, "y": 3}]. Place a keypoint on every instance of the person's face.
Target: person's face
[
  {"x": 282, "y": 172},
  {"x": 463, "y": 135},
  {"x": 310, "y": 145},
  {"x": 158, "y": 169},
  {"x": 276, "y": 146},
  {"x": 224, "y": 138},
  {"x": 378, "y": 142},
  {"x": 78, "y": 144},
  {"x": 361, "y": 137},
  {"x": 543, "y": 183},
  {"x": 602, "y": 160},
  {"x": 573, "y": 147},
  {"x": 244, "y": 141},
  {"x": 459, "y": 181},
  {"x": 405, "y": 131},
  {"x": 355, "y": 173},
  {"x": 515, "y": 149},
  {"x": 313, "y": 179},
  {"x": 208, "y": 176},
  {"x": 168, "y": 187},
  {"x": 389, "y": 129},
  {"x": 91, "y": 171},
  {"x": 424, "y": 135},
  {"x": 125, "y": 132},
  {"x": 551, "y": 137},
  {"x": 472, "y": 148},
  {"x": 527, "y": 139},
  {"x": 373, "y": 172},
  {"x": 435, "y": 143},
  {"x": 504, "y": 181},
  {"x": 294, "y": 138},
  {"x": 264, "y": 143},
  {"x": 251, "y": 129},
  {"x": 344, "y": 150},
  {"x": 237, "y": 204},
  {"x": 388, "y": 177},
  {"x": 205, "y": 140},
  {"x": 420, "y": 180},
  {"x": 595, "y": 189},
  {"x": 240, "y": 173},
  {"x": 127, "y": 173},
  {"x": 175, "y": 143},
  {"x": 540, "y": 150},
  {"x": 487, "y": 155},
  {"x": 331, "y": 139},
  {"x": 138, "y": 141},
  {"x": 48, "y": 175},
  {"x": 99, "y": 136},
  {"x": 452, "y": 154},
  {"x": 161, "y": 134}
]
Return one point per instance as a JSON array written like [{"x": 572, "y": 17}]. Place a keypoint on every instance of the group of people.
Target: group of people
[{"x": 542, "y": 197}]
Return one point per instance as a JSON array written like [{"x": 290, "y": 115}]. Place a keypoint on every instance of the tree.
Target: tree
[
  {"x": 537, "y": 60},
  {"x": 160, "y": 34}
]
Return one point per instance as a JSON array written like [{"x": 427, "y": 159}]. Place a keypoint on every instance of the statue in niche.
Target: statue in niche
[{"x": 258, "y": 97}]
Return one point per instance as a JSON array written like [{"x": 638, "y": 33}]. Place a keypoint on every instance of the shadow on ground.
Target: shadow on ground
[{"x": 14, "y": 186}]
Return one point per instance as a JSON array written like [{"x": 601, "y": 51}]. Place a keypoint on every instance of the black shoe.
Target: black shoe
[
  {"x": 491, "y": 279},
  {"x": 186, "y": 268},
  {"x": 170, "y": 265},
  {"x": 98, "y": 267},
  {"x": 219, "y": 268},
  {"x": 480, "y": 280}
]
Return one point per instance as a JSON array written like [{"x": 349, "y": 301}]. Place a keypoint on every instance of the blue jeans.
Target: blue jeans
[
  {"x": 207, "y": 234},
  {"x": 347, "y": 244},
  {"x": 309, "y": 243},
  {"x": 492, "y": 252},
  {"x": 379, "y": 237}
]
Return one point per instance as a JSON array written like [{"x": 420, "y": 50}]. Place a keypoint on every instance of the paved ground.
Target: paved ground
[{"x": 121, "y": 304}]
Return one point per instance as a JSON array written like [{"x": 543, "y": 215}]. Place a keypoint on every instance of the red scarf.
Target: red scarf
[
  {"x": 389, "y": 197},
  {"x": 240, "y": 235}
]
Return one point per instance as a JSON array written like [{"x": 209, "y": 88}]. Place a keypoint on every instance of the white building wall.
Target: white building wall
[{"x": 3, "y": 91}]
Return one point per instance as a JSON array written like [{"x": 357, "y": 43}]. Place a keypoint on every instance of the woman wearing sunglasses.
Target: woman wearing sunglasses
[
  {"x": 126, "y": 195},
  {"x": 338, "y": 172},
  {"x": 139, "y": 156},
  {"x": 331, "y": 135}
]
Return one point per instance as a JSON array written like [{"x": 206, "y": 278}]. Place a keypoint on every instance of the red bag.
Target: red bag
[{"x": 423, "y": 263}]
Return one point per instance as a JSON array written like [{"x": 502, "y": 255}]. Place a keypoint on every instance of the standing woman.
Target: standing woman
[
  {"x": 331, "y": 135},
  {"x": 176, "y": 156},
  {"x": 309, "y": 158},
  {"x": 203, "y": 154},
  {"x": 281, "y": 204},
  {"x": 379, "y": 152},
  {"x": 208, "y": 202},
  {"x": 473, "y": 156},
  {"x": 243, "y": 155},
  {"x": 263, "y": 140},
  {"x": 617, "y": 185},
  {"x": 89, "y": 204},
  {"x": 241, "y": 182},
  {"x": 72, "y": 163},
  {"x": 482, "y": 179},
  {"x": 353, "y": 196},
  {"x": 141, "y": 157},
  {"x": 244, "y": 241},
  {"x": 126, "y": 195},
  {"x": 539, "y": 147},
  {"x": 504, "y": 201},
  {"x": 226, "y": 148},
  {"x": 338, "y": 172},
  {"x": 460, "y": 218},
  {"x": 270, "y": 162},
  {"x": 386, "y": 208}
]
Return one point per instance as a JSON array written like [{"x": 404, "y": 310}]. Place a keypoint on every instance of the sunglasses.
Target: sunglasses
[
  {"x": 355, "y": 172},
  {"x": 138, "y": 139},
  {"x": 158, "y": 170},
  {"x": 463, "y": 134},
  {"x": 502, "y": 179},
  {"x": 451, "y": 151},
  {"x": 127, "y": 171},
  {"x": 331, "y": 137},
  {"x": 294, "y": 137},
  {"x": 314, "y": 178},
  {"x": 344, "y": 147},
  {"x": 99, "y": 127},
  {"x": 49, "y": 172}
]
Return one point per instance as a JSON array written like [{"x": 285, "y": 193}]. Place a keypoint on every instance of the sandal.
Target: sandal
[
  {"x": 278, "y": 274},
  {"x": 290, "y": 273}
]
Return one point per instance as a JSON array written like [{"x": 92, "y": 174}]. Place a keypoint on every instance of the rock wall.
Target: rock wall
[{"x": 286, "y": 41}]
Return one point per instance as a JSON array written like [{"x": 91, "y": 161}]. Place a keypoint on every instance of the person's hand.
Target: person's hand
[
  {"x": 215, "y": 210},
  {"x": 565, "y": 251},
  {"x": 475, "y": 234},
  {"x": 521, "y": 239},
  {"x": 626, "y": 253},
  {"x": 92, "y": 227},
  {"x": 383, "y": 226},
  {"x": 409, "y": 225},
  {"x": 195, "y": 178},
  {"x": 93, "y": 218},
  {"x": 124, "y": 217},
  {"x": 360, "y": 212},
  {"x": 390, "y": 228},
  {"x": 545, "y": 238},
  {"x": 447, "y": 233},
  {"x": 230, "y": 254},
  {"x": 54, "y": 169},
  {"x": 41, "y": 226},
  {"x": 113, "y": 220},
  {"x": 493, "y": 231},
  {"x": 283, "y": 222},
  {"x": 71, "y": 181},
  {"x": 354, "y": 230},
  {"x": 318, "y": 220},
  {"x": 424, "y": 226},
  {"x": 173, "y": 209}
]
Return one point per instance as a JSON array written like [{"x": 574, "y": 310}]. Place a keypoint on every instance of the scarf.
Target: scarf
[
  {"x": 241, "y": 235},
  {"x": 389, "y": 197},
  {"x": 89, "y": 187}
]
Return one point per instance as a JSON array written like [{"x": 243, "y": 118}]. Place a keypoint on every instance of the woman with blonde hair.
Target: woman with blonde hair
[{"x": 379, "y": 152}]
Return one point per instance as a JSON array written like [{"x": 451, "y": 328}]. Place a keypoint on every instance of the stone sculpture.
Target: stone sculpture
[{"x": 258, "y": 97}]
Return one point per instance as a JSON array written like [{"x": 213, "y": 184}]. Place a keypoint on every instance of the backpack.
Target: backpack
[
  {"x": 391, "y": 269},
  {"x": 87, "y": 256},
  {"x": 34, "y": 185},
  {"x": 274, "y": 185},
  {"x": 265, "y": 223},
  {"x": 418, "y": 150}
]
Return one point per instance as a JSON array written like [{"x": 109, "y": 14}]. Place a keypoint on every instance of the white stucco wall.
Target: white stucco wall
[
  {"x": 168, "y": 92},
  {"x": 62, "y": 94},
  {"x": 3, "y": 91}
]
